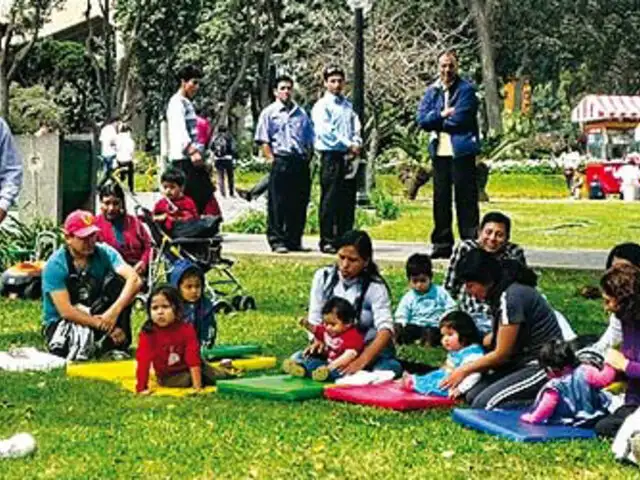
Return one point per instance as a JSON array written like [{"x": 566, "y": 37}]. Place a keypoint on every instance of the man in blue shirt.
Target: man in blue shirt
[
  {"x": 337, "y": 138},
  {"x": 85, "y": 306},
  {"x": 286, "y": 135},
  {"x": 10, "y": 170},
  {"x": 449, "y": 111}
]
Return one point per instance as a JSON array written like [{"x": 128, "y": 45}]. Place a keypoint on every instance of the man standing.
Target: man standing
[
  {"x": 449, "y": 110},
  {"x": 337, "y": 138},
  {"x": 10, "y": 170},
  {"x": 286, "y": 135},
  {"x": 185, "y": 152},
  {"x": 108, "y": 140},
  {"x": 87, "y": 290}
]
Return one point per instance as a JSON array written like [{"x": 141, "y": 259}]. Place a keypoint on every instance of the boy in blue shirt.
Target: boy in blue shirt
[{"x": 418, "y": 314}]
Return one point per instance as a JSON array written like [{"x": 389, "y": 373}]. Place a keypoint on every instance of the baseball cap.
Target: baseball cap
[{"x": 81, "y": 224}]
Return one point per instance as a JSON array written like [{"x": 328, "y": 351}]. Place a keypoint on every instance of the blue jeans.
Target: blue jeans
[
  {"x": 312, "y": 363},
  {"x": 108, "y": 164}
]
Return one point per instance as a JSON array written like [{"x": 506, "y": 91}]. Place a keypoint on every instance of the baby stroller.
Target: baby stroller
[{"x": 206, "y": 253}]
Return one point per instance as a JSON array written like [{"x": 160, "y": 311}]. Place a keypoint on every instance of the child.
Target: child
[
  {"x": 461, "y": 338},
  {"x": 171, "y": 346},
  {"x": 188, "y": 279},
  {"x": 621, "y": 293},
  {"x": 572, "y": 395},
  {"x": 421, "y": 308},
  {"x": 178, "y": 212},
  {"x": 577, "y": 181},
  {"x": 337, "y": 337}
]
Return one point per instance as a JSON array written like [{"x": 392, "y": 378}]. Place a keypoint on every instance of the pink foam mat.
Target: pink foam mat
[{"x": 386, "y": 395}]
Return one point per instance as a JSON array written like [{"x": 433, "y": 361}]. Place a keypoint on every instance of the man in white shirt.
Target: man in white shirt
[
  {"x": 108, "y": 136},
  {"x": 184, "y": 151},
  {"x": 125, "y": 148}
]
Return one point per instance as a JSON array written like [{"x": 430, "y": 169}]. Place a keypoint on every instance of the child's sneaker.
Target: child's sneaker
[
  {"x": 20, "y": 445},
  {"x": 321, "y": 374},
  {"x": 293, "y": 368}
]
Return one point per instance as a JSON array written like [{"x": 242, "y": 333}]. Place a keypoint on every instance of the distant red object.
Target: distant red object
[{"x": 604, "y": 173}]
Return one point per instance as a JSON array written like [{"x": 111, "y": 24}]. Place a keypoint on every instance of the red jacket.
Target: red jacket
[
  {"x": 182, "y": 209},
  {"x": 173, "y": 349},
  {"x": 350, "y": 339},
  {"x": 137, "y": 242}
]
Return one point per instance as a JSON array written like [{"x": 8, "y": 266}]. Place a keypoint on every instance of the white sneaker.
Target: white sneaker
[{"x": 20, "y": 445}]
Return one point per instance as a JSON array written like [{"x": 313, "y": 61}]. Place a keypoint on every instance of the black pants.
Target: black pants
[
  {"x": 508, "y": 388},
  {"x": 126, "y": 172},
  {"x": 224, "y": 167},
  {"x": 183, "y": 379},
  {"x": 337, "y": 198},
  {"x": 199, "y": 185},
  {"x": 608, "y": 426},
  {"x": 461, "y": 174},
  {"x": 289, "y": 189}
]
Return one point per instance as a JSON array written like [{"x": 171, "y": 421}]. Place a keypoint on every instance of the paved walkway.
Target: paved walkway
[{"x": 383, "y": 250}]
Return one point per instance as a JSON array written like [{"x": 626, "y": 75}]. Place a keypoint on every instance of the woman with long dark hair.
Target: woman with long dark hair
[
  {"x": 523, "y": 322},
  {"x": 356, "y": 278}
]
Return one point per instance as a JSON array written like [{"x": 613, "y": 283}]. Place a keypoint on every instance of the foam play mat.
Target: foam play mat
[
  {"x": 275, "y": 387},
  {"x": 507, "y": 424},
  {"x": 231, "y": 351},
  {"x": 123, "y": 373},
  {"x": 386, "y": 395}
]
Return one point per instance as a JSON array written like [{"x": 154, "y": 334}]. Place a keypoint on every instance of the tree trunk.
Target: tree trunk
[
  {"x": 479, "y": 10},
  {"x": 4, "y": 95}
]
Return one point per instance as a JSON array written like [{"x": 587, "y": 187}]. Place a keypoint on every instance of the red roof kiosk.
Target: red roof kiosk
[{"x": 609, "y": 123}]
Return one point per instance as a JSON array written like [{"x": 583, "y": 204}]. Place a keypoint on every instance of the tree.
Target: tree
[{"x": 21, "y": 27}]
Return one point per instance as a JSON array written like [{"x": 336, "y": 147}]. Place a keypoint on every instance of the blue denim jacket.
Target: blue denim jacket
[{"x": 462, "y": 125}]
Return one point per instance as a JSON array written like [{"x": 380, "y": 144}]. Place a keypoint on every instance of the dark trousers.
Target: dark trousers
[
  {"x": 183, "y": 379},
  {"x": 126, "y": 172},
  {"x": 289, "y": 190},
  {"x": 608, "y": 426},
  {"x": 225, "y": 166},
  {"x": 461, "y": 174},
  {"x": 199, "y": 186},
  {"x": 337, "y": 198}
]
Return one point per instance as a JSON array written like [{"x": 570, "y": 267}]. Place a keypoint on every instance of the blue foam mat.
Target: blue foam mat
[{"x": 507, "y": 424}]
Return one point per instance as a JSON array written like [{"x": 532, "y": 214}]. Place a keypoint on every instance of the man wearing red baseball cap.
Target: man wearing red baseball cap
[{"x": 87, "y": 290}]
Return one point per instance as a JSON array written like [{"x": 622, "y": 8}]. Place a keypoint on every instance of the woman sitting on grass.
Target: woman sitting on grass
[
  {"x": 356, "y": 278},
  {"x": 523, "y": 322}
]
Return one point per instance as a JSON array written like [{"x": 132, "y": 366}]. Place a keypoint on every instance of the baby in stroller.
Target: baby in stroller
[{"x": 178, "y": 214}]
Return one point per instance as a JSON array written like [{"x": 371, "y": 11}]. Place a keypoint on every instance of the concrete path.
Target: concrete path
[{"x": 384, "y": 251}]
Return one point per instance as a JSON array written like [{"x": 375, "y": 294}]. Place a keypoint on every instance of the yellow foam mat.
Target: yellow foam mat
[
  {"x": 123, "y": 373},
  {"x": 617, "y": 388}
]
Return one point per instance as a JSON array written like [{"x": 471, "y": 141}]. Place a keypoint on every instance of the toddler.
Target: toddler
[
  {"x": 337, "y": 342},
  {"x": 188, "y": 279},
  {"x": 171, "y": 346},
  {"x": 419, "y": 312},
  {"x": 178, "y": 212},
  {"x": 461, "y": 338},
  {"x": 573, "y": 395}
]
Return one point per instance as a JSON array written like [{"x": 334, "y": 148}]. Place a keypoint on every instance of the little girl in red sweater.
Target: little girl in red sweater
[{"x": 171, "y": 346}]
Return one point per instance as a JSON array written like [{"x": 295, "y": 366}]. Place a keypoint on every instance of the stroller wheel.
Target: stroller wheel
[
  {"x": 32, "y": 291},
  {"x": 247, "y": 303},
  {"x": 222, "y": 306},
  {"x": 236, "y": 302}
]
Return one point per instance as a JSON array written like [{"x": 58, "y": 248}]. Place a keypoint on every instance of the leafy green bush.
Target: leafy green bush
[
  {"x": 366, "y": 218},
  {"x": 254, "y": 221},
  {"x": 32, "y": 107},
  {"x": 385, "y": 206},
  {"x": 18, "y": 239}
]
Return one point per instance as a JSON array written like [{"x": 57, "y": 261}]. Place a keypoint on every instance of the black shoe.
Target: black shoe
[
  {"x": 244, "y": 194},
  {"x": 298, "y": 248},
  {"x": 330, "y": 249},
  {"x": 444, "y": 252}
]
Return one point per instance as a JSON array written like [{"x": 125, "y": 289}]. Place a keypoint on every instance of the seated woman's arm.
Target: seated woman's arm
[
  {"x": 378, "y": 296},
  {"x": 505, "y": 343}
]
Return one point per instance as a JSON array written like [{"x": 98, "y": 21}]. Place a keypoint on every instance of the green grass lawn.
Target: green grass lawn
[{"x": 89, "y": 429}]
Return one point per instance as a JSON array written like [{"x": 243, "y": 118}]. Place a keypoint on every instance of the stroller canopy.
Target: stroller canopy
[{"x": 593, "y": 108}]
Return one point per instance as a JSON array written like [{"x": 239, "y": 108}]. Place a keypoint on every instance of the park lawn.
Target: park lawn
[
  {"x": 555, "y": 225},
  {"x": 89, "y": 429}
]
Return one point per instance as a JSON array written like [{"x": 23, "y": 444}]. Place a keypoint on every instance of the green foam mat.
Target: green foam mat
[
  {"x": 275, "y": 387},
  {"x": 231, "y": 351}
]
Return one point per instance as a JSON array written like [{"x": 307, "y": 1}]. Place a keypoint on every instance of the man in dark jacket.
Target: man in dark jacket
[{"x": 449, "y": 111}]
